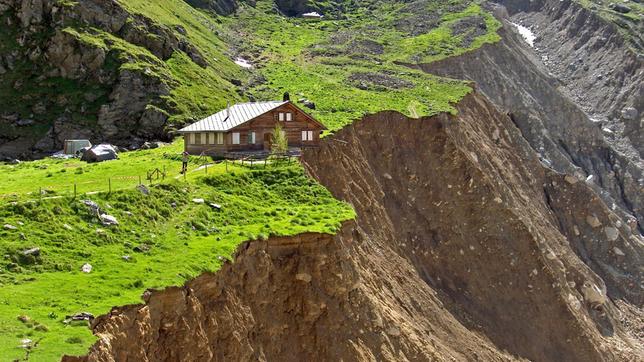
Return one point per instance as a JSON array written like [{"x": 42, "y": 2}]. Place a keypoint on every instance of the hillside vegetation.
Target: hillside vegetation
[
  {"x": 162, "y": 239},
  {"x": 354, "y": 66},
  {"x": 138, "y": 69}
]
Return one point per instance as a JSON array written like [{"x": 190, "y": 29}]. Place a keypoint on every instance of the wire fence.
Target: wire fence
[{"x": 200, "y": 167}]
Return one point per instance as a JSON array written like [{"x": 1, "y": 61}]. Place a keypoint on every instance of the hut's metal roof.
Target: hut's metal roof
[{"x": 232, "y": 117}]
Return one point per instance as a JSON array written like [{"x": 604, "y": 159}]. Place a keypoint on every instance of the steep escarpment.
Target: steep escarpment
[
  {"x": 460, "y": 250},
  {"x": 467, "y": 202},
  {"x": 555, "y": 113},
  {"x": 293, "y": 299}
]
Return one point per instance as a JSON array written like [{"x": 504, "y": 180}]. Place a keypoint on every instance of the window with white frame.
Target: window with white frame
[
  {"x": 307, "y": 135},
  {"x": 281, "y": 117},
  {"x": 236, "y": 138},
  {"x": 289, "y": 117},
  {"x": 220, "y": 138},
  {"x": 251, "y": 138}
]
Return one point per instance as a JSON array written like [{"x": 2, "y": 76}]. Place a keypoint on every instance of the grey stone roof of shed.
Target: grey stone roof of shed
[{"x": 239, "y": 114}]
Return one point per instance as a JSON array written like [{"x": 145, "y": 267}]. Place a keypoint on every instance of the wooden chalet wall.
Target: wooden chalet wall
[{"x": 263, "y": 127}]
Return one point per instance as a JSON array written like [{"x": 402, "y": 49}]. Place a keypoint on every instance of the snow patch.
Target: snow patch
[
  {"x": 312, "y": 15},
  {"x": 243, "y": 63},
  {"x": 526, "y": 33}
]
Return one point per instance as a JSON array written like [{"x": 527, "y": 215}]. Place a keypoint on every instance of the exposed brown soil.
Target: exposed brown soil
[{"x": 461, "y": 251}]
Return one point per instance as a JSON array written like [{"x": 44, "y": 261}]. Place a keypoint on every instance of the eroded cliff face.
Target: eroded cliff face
[
  {"x": 465, "y": 247},
  {"x": 466, "y": 202},
  {"x": 308, "y": 297},
  {"x": 576, "y": 96}
]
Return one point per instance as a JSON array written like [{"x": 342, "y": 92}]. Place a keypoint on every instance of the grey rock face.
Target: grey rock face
[
  {"x": 630, "y": 113},
  {"x": 552, "y": 117}
]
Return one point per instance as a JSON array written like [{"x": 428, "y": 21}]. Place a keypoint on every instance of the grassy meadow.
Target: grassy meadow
[
  {"x": 355, "y": 66},
  {"x": 162, "y": 239}
]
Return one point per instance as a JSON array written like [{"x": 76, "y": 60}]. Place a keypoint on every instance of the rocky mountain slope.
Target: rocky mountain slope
[
  {"x": 500, "y": 223},
  {"x": 467, "y": 250},
  {"x": 581, "y": 121},
  {"x": 105, "y": 71}
]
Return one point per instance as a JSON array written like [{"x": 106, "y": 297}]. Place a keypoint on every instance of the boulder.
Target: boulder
[
  {"x": 24, "y": 122},
  {"x": 593, "y": 221},
  {"x": 32, "y": 252},
  {"x": 309, "y": 104},
  {"x": 108, "y": 220},
  {"x": 215, "y": 206},
  {"x": 571, "y": 179},
  {"x": 91, "y": 205},
  {"x": 10, "y": 227},
  {"x": 593, "y": 294},
  {"x": 611, "y": 233},
  {"x": 100, "y": 153},
  {"x": 620, "y": 8},
  {"x": 630, "y": 113},
  {"x": 143, "y": 248},
  {"x": 86, "y": 268},
  {"x": 143, "y": 189},
  {"x": 82, "y": 316}
]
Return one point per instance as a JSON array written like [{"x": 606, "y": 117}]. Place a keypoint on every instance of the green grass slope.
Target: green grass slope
[
  {"x": 162, "y": 239},
  {"x": 353, "y": 66}
]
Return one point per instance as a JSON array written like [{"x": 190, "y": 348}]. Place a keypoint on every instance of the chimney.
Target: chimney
[{"x": 287, "y": 97}]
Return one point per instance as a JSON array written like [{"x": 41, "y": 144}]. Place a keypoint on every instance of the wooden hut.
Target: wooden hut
[{"x": 249, "y": 127}]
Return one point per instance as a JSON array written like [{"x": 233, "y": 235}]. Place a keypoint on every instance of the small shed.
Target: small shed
[{"x": 73, "y": 146}]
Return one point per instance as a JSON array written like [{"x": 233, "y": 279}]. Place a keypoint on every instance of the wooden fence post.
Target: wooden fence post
[
  {"x": 226, "y": 162},
  {"x": 109, "y": 183}
]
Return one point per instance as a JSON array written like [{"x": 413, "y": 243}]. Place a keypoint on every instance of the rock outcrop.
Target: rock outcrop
[
  {"x": 221, "y": 7},
  {"x": 465, "y": 247},
  {"x": 69, "y": 79}
]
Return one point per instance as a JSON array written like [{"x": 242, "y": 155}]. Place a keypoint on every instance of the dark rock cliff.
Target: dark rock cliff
[{"x": 62, "y": 74}]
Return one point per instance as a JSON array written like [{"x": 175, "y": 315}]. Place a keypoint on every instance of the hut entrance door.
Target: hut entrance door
[{"x": 268, "y": 141}]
